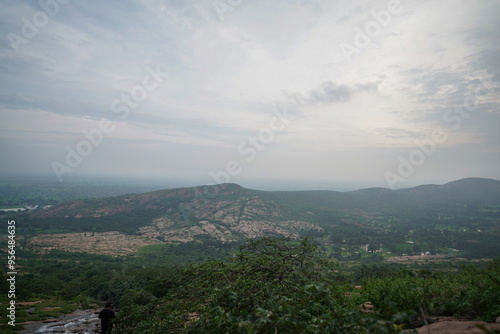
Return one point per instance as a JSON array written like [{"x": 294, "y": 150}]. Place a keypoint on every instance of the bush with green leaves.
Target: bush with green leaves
[
  {"x": 269, "y": 285},
  {"x": 472, "y": 292}
]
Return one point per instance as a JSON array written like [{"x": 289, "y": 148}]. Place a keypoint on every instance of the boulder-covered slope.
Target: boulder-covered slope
[{"x": 229, "y": 212}]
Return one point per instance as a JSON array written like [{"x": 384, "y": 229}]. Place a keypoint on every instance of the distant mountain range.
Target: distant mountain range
[{"x": 228, "y": 212}]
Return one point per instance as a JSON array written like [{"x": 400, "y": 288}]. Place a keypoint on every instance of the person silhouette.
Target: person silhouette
[{"x": 106, "y": 315}]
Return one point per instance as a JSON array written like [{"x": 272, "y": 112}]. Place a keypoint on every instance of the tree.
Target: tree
[
  {"x": 432, "y": 249},
  {"x": 276, "y": 267},
  {"x": 283, "y": 259},
  {"x": 270, "y": 285}
]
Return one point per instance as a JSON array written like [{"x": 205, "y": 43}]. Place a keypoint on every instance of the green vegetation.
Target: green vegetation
[
  {"x": 266, "y": 284},
  {"x": 304, "y": 284},
  {"x": 462, "y": 220},
  {"x": 288, "y": 286}
]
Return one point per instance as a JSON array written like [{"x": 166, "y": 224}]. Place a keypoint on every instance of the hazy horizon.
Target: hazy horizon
[
  {"x": 159, "y": 183},
  {"x": 379, "y": 93}
]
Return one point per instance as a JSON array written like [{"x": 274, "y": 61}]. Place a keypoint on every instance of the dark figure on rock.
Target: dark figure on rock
[{"x": 106, "y": 315}]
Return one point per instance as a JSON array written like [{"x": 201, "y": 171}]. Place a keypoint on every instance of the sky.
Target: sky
[{"x": 380, "y": 93}]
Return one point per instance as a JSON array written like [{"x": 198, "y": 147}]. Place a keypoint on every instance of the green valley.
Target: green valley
[{"x": 190, "y": 259}]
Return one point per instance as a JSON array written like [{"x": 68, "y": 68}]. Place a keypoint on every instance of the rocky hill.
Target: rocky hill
[
  {"x": 179, "y": 215},
  {"x": 229, "y": 212}
]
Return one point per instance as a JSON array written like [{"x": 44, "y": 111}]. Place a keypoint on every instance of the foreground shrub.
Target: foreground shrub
[{"x": 283, "y": 285}]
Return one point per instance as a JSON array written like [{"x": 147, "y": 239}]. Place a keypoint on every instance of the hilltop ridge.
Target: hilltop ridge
[{"x": 229, "y": 212}]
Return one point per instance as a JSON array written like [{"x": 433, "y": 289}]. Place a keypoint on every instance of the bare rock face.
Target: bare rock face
[
  {"x": 81, "y": 322},
  {"x": 450, "y": 325}
]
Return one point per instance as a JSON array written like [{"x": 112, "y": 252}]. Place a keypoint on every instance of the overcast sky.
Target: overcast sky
[{"x": 389, "y": 93}]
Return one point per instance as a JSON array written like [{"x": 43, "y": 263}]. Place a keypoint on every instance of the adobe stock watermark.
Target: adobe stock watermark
[
  {"x": 454, "y": 117},
  {"x": 11, "y": 274},
  {"x": 31, "y": 26},
  {"x": 364, "y": 37},
  {"x": 249, "y": 150},
  {"x": 119, "y": 106},
  {"x": 227, "y": 6}
]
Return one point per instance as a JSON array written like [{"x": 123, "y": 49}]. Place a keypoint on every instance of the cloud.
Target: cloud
[
  {"x": 330, "y": 92},
  {"x": 226, "y": 76},
  {"x": 490, "y": 60}
]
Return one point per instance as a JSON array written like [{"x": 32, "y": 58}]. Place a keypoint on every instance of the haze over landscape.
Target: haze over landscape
[
  {"x": 381, "y": 93},
  {"x": 237, "y": 166}
]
